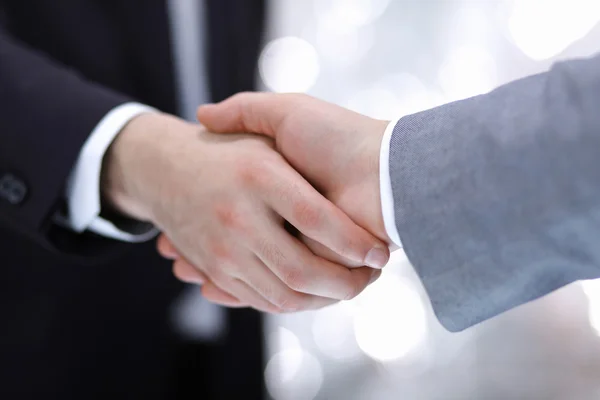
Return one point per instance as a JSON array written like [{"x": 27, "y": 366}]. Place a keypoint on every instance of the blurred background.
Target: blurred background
[{"x": 388, "y": 58}]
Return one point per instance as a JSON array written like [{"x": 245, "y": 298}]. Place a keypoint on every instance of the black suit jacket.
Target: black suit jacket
[{"x": 82, "y": 316}]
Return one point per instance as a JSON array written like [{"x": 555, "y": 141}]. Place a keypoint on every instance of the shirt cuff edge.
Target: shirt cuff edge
[{"x": 387, "y": 194}]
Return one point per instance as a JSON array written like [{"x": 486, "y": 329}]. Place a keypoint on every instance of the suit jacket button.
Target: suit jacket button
[{"x": 12, "y": 189}]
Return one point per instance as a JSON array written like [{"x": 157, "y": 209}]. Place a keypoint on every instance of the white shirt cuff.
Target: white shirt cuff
[
  {"x": 83, "y": 186},
  {"x": 385, "y": 184}
]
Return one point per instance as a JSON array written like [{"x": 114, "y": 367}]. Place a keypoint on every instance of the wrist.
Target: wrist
[
  {"x": 131, "y": 168},
  {"x": 357, "y": 182}
]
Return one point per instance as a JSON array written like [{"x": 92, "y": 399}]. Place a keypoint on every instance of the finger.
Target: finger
[
  {"x": 294, "y": 264},
  {"x": 186, "y": 272},
  {"x": 319, "y": 250},
  {"x": 268, "y": 285},
  {"x": 247, "y": 112},
  {"x": 165, "y": 248},
  {"x": 376, "y": 274},
  {"x": 307, "y": 210},
  {"x": 249, "y": 296},
  {"x": 215, "y": 294},
  {"x": 263, "y": 113},
  {"x": 226, "y": 282}
]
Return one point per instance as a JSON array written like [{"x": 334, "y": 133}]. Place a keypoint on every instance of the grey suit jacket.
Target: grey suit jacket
[{"x": 497, "y": 197}]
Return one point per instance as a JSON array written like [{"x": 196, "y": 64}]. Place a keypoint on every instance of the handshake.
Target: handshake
[{"x": 272, "y": 203}]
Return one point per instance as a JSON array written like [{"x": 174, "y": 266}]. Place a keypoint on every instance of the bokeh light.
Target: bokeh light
[
  {"x": 333, "y": 332},
  {"x": 376, "y": 101},
  {"x": 394, "y": 96},
  {"x": 284, "y": 339},
  {"x": 390, "y": 320},
  {"x": 467, "y": 71},
  {"x": 411, "y": 93},
  {"x": 469, "y": 23},
  {"x": 344, "y": 48},
  {"x": 345, "y": 15},
  {"x": 387, "y": 59},
  {"x": 293, "y": 374},
  {"x": 289, "y": 64},
  {"x": 544, "y": 28}
]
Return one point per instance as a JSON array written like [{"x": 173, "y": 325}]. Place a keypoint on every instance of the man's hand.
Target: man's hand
[
  {"x": 223, "y": 200},
  {"x": 335, "y": 149}
]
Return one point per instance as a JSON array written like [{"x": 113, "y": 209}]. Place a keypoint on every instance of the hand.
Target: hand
[
  {"x": 335, "y": 149},
  {"x": 223, "y": 201}
]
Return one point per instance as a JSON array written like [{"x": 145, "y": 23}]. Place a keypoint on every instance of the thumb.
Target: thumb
[
  {"x": 260, "y": 113},
  {"x": 319, "y": 250}
]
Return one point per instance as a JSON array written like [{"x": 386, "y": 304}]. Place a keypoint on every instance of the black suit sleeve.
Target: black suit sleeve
[{"x": 47, "y": 111}]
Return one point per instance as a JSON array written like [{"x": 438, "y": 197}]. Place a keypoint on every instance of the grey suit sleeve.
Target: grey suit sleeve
[{"x": 497, "y": 198}]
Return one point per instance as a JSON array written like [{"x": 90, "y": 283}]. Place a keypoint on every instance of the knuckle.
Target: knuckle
[
  {"x": 219, "y": 251},
  {"x": 219, "y": 271},
  {"x": 347, "y": 246},
  {"x": 252, "y": 171},
  {"x": 295, "y": 279},
  {"x": 307, "y": 215},
  {"x": 247, "y": 108},
  {"x": 271, "y": 252},
  {"x": 290, "y": 302},
  {"x": 353, "y": 289},
  {"x": 241, "y": 96},
  {"x": 213, "y": 271},
  {"x": 229, "y": 217}
]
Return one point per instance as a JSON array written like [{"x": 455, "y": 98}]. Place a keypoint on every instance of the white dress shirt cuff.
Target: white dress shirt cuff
[
  {"x": 385, "y": 184},
  {"x": 83, "y": 187}
]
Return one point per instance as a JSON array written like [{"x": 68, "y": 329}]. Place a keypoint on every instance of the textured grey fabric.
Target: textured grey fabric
[{"x": 497, "y": 197}]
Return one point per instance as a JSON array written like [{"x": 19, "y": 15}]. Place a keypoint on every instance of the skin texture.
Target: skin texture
[
  {"x": 335, "y": 149},
  {"x": 223, "y": 200}
]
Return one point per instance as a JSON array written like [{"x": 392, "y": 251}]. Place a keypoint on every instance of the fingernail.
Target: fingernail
[
  {"x": 377, "y": 258},
  {"x": 375, "y": 275}
]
